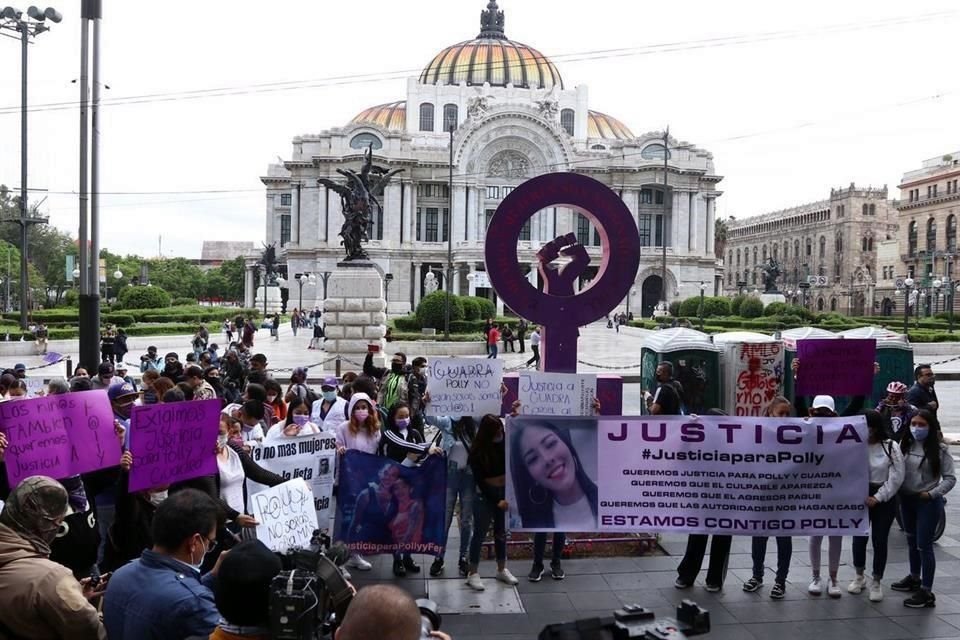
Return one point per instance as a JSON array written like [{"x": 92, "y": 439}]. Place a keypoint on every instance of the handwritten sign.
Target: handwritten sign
[
  {"x": 557, "y": 394},
  {"x": 836, "y": 367},
  {"x": 286, "y": 516},
  {"x": 312, "y": 458},
  {"x": 464, "y": 386},
  {"x": 35, "y": 386},
  {"x": 758, "y": 371},
  {"x": 172, "y": 442},
  {"x": 59, "y": 436}
]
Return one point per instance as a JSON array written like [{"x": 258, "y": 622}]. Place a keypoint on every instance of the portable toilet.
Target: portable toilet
[
  {"x": 894, "y": 355},
  {"x": 790, "y": 337},
  {"x": 696, "y": 365},
  {"x": 751, "y": 371}
]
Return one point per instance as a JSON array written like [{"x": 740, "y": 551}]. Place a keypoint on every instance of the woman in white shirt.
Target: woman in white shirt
[
  {"x": 360, "y": 433},
  {"x": 297, "y": 423}
]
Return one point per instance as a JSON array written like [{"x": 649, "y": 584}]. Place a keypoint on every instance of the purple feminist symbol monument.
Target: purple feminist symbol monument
[{"x": 557, "y": 309}]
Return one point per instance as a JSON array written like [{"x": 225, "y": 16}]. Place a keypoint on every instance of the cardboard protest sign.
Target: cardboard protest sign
[
  {"x": 556, "y": 394},
  {"x": 59, "y": 436},
  {"x": 464, "y": 386},
  {"x": 172, "y": 442},
  {"x": 35, "y": 386},
  {"x": 836, "y": 367},
  {"x": 286, "y": 516},
  {"x": 312, "y": 458}
]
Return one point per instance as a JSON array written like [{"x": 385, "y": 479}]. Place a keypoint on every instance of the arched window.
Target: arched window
[
  {"x": 931, "y": 235},
  {"x": 866, "y": 210},
  {"x": 819, "y": 304},
  {"x": 754, "y": 256},
  {"x": 833, "y": 304},
  {"x": 652, "y": 152},
  {"x": 869, "y": 245},
  {"x": 786, "y": 250},
  {"x": 568, "y": 120},
  {"x": 838, "y": 244},
  {"x": 738, "y": 258},
  {"x": 426, "y": 117},
  {"x": 863, "y": 244},
  {"x": 951, "y": 232},
  {"x": 873, "y": 209},
  {"x": 764, "y": 252},
  {"x": 912, "y": 239},
  {"x": 775, "y": 250},
  {"x": 364, "y": 140},
  {"x": 796, "y": 250},
  {"x": 823, "y": 246},
  {"x": 451, "y": 117},
  {"x": 809, "y": 248}
]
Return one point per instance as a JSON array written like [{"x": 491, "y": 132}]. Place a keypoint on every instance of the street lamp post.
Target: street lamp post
[
  {"x": 117, "y": 275},
  {"x": 14, "y": 20},
  {"x": 302, "y": 280},
  {"x": 387, "y": 279},
  {"x": 936, "y": 294},
  {"x": 703, "y": 290},
  {"x": 907, "y": 293},
  {"x": 325, "y": 276}
]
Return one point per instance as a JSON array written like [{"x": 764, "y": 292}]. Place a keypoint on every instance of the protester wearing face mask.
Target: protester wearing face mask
[
  {"x": 59, "y": 606},
  {"x": 275, "y": 401},
  {"x": 298, "y": 422},
  {"x": 330, "y": 409},
  {"x": 928, "y": 476},
  {"x": 161, "y": 595},
  {"x": 362, "y": 433}
]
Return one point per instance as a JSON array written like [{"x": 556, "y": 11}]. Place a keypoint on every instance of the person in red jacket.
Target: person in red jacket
[{"x": 492, "y": 339}]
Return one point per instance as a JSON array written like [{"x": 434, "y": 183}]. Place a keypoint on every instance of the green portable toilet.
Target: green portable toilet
[
  {"x": 751, "y": 371},
  {"x": 696, "y": 365},
  {"x": 790, "y": 338},
  {"x": 894, "y": 355}
]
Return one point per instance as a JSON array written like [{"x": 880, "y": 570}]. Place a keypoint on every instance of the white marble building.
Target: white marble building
[{"x": 513, "y": 118}]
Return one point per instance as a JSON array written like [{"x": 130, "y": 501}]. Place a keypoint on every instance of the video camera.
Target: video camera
[
  {"x": 634, "y": 621},
  {"x": 309, "y": 598}
]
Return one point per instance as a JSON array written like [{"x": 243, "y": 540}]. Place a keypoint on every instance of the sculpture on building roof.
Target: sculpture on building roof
[
  {"x": 357, "y": 199},
  {"x": 771, "y": 271},
  {"x": 492, "y": 22}
]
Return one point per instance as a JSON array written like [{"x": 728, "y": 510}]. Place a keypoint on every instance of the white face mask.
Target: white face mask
[
  {"x": 157, "y": 497},
  {"x": 222, "y": 440}
]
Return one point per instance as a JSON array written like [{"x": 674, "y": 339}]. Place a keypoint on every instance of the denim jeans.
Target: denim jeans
[
  {"x": 881, "y": 519},
  {"x": 784, "y": 553},
  {"x": 540, "y": 547},
  {"x": 491, "y": 351},
  {"x": 693, "y": 558},
  {"x": 460, "y": 484},
  {"x": 919, "y": 521},
  {"x": 484, "y": 512}
]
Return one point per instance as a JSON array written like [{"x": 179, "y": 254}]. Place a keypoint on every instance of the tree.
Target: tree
[
  {"x": 720, "y": 231},
  {"x": 178, "y": 276},
  {"x": 232, "y": 273}
]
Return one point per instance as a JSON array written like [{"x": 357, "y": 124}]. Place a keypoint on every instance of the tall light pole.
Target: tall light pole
[
  {"x": 29, "y": 27},
  {"x": 449, "y": 230},
  {"x": 667, "y": 202},
  {"x": 907, "y": 299},
  {"x": 703, "y": 290}
]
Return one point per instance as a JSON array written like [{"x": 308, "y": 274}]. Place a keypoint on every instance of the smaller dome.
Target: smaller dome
[
  {"x": 391, "y": 116},
  {"x": 600, "y": 125}
]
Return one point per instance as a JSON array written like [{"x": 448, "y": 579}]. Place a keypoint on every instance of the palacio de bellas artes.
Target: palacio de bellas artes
[{"x": 514, "y": 116}]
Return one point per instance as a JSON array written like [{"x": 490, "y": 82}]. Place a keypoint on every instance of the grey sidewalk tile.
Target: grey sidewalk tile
[
  {"x": 927, "y": 627},
  {"x": 631, "y": 581},
  {"x": 595, "y": 601},
  {"x": 546, "y": 602},
  {"x": 616, "y": 565},
  {"x": 731, "y": 632},
  {"x": 570, "y": 584}
]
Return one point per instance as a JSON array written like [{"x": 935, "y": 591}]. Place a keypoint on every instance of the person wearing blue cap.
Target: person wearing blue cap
[{"x": 330, "y": 410}]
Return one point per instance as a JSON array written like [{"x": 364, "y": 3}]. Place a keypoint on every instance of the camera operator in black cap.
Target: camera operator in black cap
[{"x": 243, "y": 592}]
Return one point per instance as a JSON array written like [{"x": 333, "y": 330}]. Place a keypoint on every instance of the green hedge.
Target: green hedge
[
  {"x": 407, "y": 323},
  {"x": 487, "y": 308},
  {"x": 674, "y": 308},
  {"x": 735, "y": 304},
  {"x": 431, "y": 311},
  {"x": 471, "y": 308},
  {"x": 751, "y": 308},
  {"x": 179, "y": 302},
  {"x": 143, "y": 298}
]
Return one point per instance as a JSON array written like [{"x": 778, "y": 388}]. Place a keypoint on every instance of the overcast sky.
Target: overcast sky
[{"x": 804, "y": 99}]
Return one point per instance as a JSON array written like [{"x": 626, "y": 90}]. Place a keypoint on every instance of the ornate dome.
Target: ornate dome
[
  {"x": 600, "y": 125},
  {"x": 391, "y": 116},
  {"x": 492, "y": 57}
]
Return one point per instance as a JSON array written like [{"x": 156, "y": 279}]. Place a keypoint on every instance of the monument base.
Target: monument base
[
  {"x": 767, "y": 298},
  {"x": 274, "y": 300},
  {"x": 354, "y": 312}
]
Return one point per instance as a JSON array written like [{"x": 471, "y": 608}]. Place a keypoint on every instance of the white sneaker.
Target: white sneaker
[
  {"x": 357, "y": 562},
  {"x": 816, "y": 586},
  {"x": 876, "y": 591},
  {"x": 506, "y": 577},
  {"x": 834, "y": 589},
  {"x": 475, "y": 582},
  {"x": 346, "y": 574},
  {"x": 857, "y": 585}
]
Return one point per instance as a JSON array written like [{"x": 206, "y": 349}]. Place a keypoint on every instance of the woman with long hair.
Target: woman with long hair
[
  {"x": 361, "y": 433},
  {"x": 407, "y": 526},
  {"x": 487, "y": 459},
  {"x": 928, "y": 476},
  {"x": 297, "y": 423},
  {"x": 458, "y": 433}
]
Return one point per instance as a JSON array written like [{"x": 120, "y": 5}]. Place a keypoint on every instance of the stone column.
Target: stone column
[
  {"x": 295, "y": 214},
  {"x": 455, "y": 274},
  {"x": 416, "y": 285},
  {"x": 680, "y": 221},
  {"x": 413, "y": 212},
  {"x": 249, "y": 287},
  {"x": 471, "y": 287},
  {"x": 710, "y": 223},
  {"x": 695, "y": 241},
  {"x": 470, "y": 216},
  {"x": 458, "y": 214},
  {"x": 391, "y": 215}
]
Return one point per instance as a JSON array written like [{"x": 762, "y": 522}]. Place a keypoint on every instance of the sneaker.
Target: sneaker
[
  {"x": 356, "y": 561},
  {"x": 506, "y": 577},
  {"x": 536, "y": 573},
  {"x": 910, "y": 583},
  {"x": 857, "y": 585},
  {"x": 753, "y": 584},
  {"x": 713, "y": 588},
  {"x": 475, "y": 582},
  {"x": 922, "y": 599},
  {"x": 346, "y": 574},
  {"x": 399, "y": 570},
  {"x": 411, "y": 566},
  {"x": 680, "y": 583},
  {"x": 876, "y": 591},
  {"x": 816, "y": 586},
  {"x": 834, "y": 589},
  {"x": 778, "y": 591},
  {"x": 556, "y": 571},
  {"x": 436, "y": 568},
  {"x": 463, "y": 567}
]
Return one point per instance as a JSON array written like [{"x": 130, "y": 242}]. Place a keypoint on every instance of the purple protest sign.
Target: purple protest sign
[
  {"x": 171, "y": 442},
  {"x": 836, "y": 367},
  {"x": 59, "y": 436}
]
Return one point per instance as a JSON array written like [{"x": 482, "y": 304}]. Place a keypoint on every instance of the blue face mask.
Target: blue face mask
[
  {"x": 919, "y": 433},
  {"x": 330, "y": 396}
]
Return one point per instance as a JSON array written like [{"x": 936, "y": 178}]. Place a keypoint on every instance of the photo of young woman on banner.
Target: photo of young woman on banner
[{"x": 552, "y": 466}]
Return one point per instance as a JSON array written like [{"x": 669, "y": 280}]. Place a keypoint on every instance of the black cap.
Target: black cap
[{"x": 243, "y": 593}]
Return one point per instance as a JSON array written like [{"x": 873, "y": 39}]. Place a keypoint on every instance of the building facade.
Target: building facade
[
  {"x": 928, "y": 209},
  {"x": 513, "y": 118},
  {"x": 831, "y": 244}
]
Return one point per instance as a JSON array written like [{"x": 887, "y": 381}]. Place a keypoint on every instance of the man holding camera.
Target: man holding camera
[{"x": 386, "y": 612}]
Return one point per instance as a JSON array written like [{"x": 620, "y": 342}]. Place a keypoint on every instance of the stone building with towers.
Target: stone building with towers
[
  {"x": 513, "y": 117},
  {"x": 830, "y": 244}
]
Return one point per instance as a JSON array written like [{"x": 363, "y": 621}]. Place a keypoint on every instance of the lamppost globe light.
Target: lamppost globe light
[
  {"x": 117, "y": 274},
  {"x": 303, "y": 278},
  {"x": 76, "y": 273},
  {"x": 908, "y": 282},
  {"x": 312, "y": 279},
  {"x": 937, "y": 283}
]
